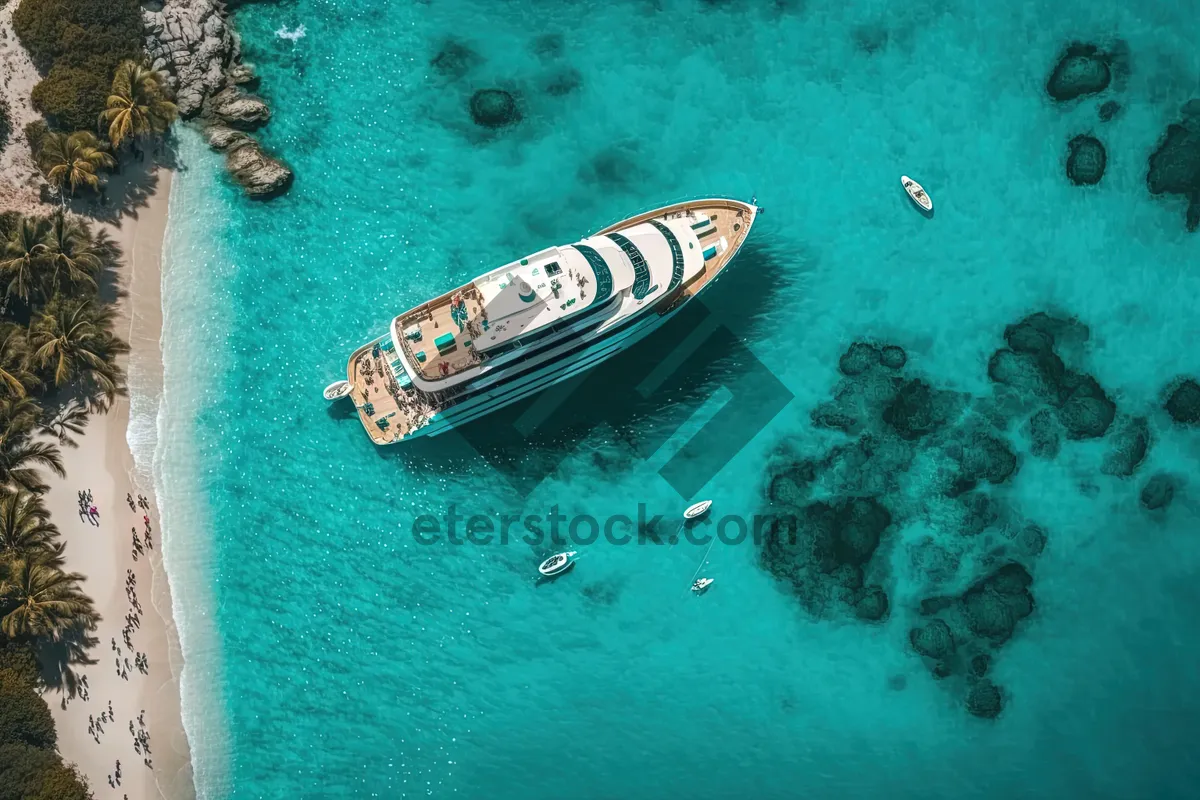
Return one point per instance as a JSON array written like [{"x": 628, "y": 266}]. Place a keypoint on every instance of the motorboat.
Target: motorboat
[
  {"x": 337, "y": 390},
  {"x": 557, "y": 564},
  {"x": 700, "y": 586},
  {"x": 917, "y": 193},
  {"x": 697, "y": 510}
]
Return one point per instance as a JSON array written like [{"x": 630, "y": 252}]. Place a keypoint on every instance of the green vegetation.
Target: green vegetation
[
  {"x": 57, "y": 362},
  {"x": 77, "y": 45},
  {"x": 138, "y": 106},
  {"x": 71, "y": 160}
]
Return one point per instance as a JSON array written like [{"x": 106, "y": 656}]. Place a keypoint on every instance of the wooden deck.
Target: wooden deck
[{"x": 373, "y": 384}]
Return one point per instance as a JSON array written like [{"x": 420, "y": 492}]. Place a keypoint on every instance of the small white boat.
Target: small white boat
[
  {"x": 557, "y": 564},
  {"x": 337, "y": 390},
  {"x": 701, "y": 585},
  {"x": 697, "y": 510},
  {"x": 917, "y": 193}
]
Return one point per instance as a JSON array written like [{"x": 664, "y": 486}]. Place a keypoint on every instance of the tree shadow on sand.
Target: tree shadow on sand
[{"x": 58, "y": 660}]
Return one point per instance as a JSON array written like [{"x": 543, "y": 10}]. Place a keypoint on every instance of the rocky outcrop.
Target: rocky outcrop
[
  {"x": 259, "y": 174},
  {"x": 193, "y": 45},
  {"x": 239, "y": 110},
  {"x": 1158, "y": 492},
  {"x": 190, "y": 41},
  {"x": 1086, "y": 160},
  {"x": 1109, "y": 110}
]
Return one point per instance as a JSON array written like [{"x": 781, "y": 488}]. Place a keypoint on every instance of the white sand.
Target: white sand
[
  {"x": 104, "y": 464},
  {"x": 19, "y": 176}
]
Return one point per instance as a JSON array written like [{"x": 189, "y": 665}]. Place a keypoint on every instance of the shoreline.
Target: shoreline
[{"x": 105, "y": 553}]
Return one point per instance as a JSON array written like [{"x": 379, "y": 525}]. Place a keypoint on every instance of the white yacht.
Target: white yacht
[{"x": 542, "y": 319}]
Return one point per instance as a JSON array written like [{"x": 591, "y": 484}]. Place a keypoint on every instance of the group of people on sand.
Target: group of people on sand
[
  {"x": 96, "y": 724},
  {"x": 121, "y": 658},
  {"x": 87, "y": 509}
]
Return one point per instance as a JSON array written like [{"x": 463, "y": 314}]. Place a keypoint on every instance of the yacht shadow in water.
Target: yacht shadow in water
[{"x": 641, "y": 396}]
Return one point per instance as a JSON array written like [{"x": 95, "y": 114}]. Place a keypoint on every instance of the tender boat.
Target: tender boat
[
  {"x": 701, "y": 585},
  {"x": 337, "y": 390},
  {"x": 917, "y": 193},
  {"x": 697, "y": 510},
  {"x": 557, "y": 564},
  {"x": 540, "y": 319}
]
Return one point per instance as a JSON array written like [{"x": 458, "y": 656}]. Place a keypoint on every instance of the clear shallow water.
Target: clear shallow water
[{"x": 330, "y": 655}]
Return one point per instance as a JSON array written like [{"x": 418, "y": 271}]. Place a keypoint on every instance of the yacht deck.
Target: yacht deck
[{"x": 728, "y": 222}]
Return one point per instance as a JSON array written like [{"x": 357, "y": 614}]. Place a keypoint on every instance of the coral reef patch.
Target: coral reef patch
[
  {"x": 494, "y": 108},
  {"x": 1082, "y": 69},
  {"x": 1086, "y": 159}
]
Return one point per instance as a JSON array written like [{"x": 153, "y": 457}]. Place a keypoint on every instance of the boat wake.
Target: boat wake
[{"x": 292, "y": 36}]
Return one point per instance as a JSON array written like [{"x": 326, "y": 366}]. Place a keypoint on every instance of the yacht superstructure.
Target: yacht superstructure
[{"x": 544, "y": 318}]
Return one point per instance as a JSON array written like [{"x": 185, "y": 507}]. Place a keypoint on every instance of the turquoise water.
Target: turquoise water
[{"x": 331, "y": 655}]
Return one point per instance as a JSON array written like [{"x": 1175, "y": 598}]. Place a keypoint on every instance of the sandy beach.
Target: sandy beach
[
  {"x": 103, "y": 464},
  {"x": 144, "y": 700}
]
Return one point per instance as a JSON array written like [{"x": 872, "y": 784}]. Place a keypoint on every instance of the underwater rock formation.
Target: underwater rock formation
[
  {"x": 1033, "y": 367},
  {"x": 1183, "y": 402},
  {"x": 916, "y": 410},
  {"x": 984, "y": 700},
  {"x": 563, "y": 82},
  {"x": 1045, "y": 440},
  {"x": 933, "y": 639},
  {"x": 548, "y": 45},
  {"x": 893, "y": 357},
  {"x": 454, "y": 60},
  {"x": 872, "y": 604},
  {"x": 1128, "y": 449},
  {"x": 1108, "y": 110},
  {"x": 994, "y": 605},
  {"x": 1158, "y": 492},
  {"x": 1082, "y": 69},
  {"x": 986, "y": 458},
  {"x": 494, "y": 108},
  {"x": 1086, "y": 160},
  {"x": 858, "y": 359},
  {"x": 1029, "y": 540},
  {"x": 1174, "y": 168},
  {"x": 979, "y": 665}
]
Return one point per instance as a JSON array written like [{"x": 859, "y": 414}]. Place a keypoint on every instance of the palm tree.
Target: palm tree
[
  {"x": 24, "y": 260},
  {"x": 138, "y": 105},
  {"x": 69, "y": 250},
  {"x": 75, "y": 336},
  {"x": 25, "y": 527},
  {"x": 14, "y": 355},
  {"x": 72, "y": 160},
  {"x": 43, "y": 601}
]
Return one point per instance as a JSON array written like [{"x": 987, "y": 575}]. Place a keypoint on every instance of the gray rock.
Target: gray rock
[
  {"x": 261, "y": 176},
  {"x": 221, "y": 137},
  {"x": 242, "y": 75},
  {"x": 1086, "y": 160},
  {"x": 194, "y": 44},
  {"x": 239, "y": 110}
]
